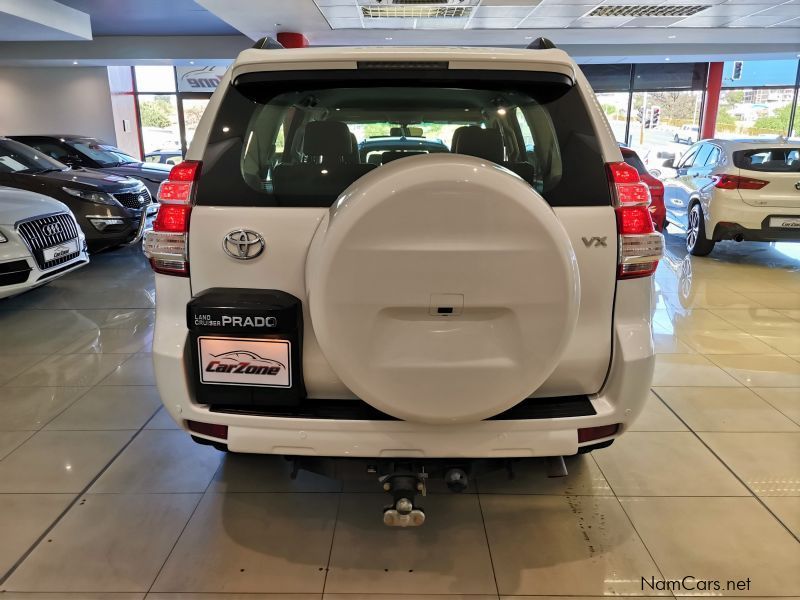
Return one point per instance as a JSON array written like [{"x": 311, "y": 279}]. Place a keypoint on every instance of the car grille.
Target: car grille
[
  {"x": 134, "y": 200},
  {"x": 45, "y": 232}
]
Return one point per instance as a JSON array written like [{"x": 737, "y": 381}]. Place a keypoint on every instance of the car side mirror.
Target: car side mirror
[{"x": 73, "y": 160}]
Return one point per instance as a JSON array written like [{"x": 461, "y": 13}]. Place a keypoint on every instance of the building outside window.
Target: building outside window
[
  {"x": 158, "y": 108},
  {"x": 757, "y": 99}
]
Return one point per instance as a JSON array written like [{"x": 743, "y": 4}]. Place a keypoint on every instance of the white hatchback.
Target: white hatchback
[
  {"x": 735, "y": 190},
  {"x": 39, "y": 241}
]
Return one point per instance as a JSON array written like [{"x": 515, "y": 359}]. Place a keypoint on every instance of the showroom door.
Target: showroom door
[{"x": 191, "y": 107}]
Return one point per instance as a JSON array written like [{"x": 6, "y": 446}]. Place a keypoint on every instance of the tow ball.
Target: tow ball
[{"x": 404, "y": 487}]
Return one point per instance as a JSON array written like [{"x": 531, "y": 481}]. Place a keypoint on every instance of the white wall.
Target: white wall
[{"x": 56, "y": 100}]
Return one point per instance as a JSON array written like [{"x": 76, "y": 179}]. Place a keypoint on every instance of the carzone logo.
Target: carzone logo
[
  {"x": 231, "y": 361},
  {"x": 249, "y": 363}
]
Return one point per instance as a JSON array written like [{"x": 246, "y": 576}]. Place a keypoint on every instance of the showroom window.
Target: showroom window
[
  {"x": 653, "y": 108},
  {"x": 758, "y": 98},
  {"x": 171, "y": 101},
  {"x": 158, "y": 108}
]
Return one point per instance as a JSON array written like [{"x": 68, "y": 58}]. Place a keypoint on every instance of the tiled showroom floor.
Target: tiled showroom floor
[{"x": 100, "y": 493}]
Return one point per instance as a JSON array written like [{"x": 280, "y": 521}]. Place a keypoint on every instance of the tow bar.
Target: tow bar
[{"x": 403, "y": 488}]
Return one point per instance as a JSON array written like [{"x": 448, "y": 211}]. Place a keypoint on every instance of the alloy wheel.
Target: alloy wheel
[{"x": 694, "y": 228}]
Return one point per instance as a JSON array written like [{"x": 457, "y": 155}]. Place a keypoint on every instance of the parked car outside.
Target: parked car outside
[
  {"x": 423, "y": 315},
  {"x": 110, "y": 209},
  {"x": 737, "y": 190},
  {"x": 656, "y": 207},
  {"x": 88, "y": 152},
  {"x": 164, "y": 157},
  {"x": 39, "y": 241},
  {"x": 687, "y": 134}
]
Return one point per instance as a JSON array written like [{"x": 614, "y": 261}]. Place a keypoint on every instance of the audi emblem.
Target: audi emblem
[
  {"x": 51, "y": 229},
  {"x": 243, "y": 244}
]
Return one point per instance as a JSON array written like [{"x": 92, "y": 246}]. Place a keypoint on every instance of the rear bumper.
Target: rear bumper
[
  {"x": 765, "y": 233},
  {"x": 727, "y": 215},
  {"x": 620, "y": 401}
]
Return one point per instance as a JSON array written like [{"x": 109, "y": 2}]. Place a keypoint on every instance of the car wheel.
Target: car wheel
[
  {"x": 676, "y": 138},
  {"x": 689, "y": 141},
  {"x": 696, "y": 242}
]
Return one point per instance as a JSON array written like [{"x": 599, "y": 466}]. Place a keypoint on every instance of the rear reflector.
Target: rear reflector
[
  {"x": 209, "y": 429},
  {"x": 640, "y": 246},
  {"x": 588, "y": 434},
  {"x": 735, "y": 182},
  {"x": 167, "y": 244}
]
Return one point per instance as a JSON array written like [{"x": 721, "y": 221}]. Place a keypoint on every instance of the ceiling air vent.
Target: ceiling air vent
[
  {"x": 626, "y": 10},
  {"x": 417, "y": 9}
]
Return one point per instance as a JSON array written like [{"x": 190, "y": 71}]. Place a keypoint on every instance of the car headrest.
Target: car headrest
[
  {"x": 391, "y": 155},
  {"x": 396, "y": 131},
  {"x": 481, "y": 143},
  {"x": 327, "y": 138}
]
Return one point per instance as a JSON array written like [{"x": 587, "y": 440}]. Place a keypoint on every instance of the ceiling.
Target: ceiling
[
  {"x": 149, "y": 31},
  {"x": 557, "y": 14},
  {"x": 150, "y": 17}
]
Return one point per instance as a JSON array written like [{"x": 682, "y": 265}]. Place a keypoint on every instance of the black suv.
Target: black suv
[
  {"x": 111, "y": 210},
  {"x": 83, "y": 151}
]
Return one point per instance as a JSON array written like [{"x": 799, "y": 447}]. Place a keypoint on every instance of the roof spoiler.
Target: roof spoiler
[
  {"x": 268, "y": 43},
  {"x": 541, "y": 43}
]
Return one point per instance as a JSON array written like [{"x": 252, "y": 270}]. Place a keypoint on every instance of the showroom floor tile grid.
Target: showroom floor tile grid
[{"x": 102, "y": 497}]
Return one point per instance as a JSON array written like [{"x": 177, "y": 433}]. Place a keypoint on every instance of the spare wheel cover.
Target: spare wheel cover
[{"x": 448, "y": 231}]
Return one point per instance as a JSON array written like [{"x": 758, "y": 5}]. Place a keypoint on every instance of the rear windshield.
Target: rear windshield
[
  {"x": 771, "y": 160},
  {"x": 302, "y": 142}
]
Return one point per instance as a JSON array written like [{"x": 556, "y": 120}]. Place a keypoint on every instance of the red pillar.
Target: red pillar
[
  {"x": 290, "y": 39},
  {"x": 712, "y": 100}
]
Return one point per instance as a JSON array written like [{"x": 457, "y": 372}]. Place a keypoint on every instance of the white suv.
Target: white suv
[
  {"x": 40, "y": 241},
  {"x": 735, "y": 190},
  {"x": 489, "y": 302}
]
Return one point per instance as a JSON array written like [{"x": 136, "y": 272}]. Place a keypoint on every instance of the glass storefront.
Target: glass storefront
[{"x": 168, "y": 113}]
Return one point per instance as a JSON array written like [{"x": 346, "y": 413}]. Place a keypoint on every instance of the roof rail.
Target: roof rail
[
  {"x": 268, "y": 43},
  {"x": 541, "y": 43}
]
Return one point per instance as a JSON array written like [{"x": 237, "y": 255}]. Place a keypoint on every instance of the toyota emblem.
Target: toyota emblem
[
  {"x": 52, "y": 229},
  {"x": 243, "y": 244}
]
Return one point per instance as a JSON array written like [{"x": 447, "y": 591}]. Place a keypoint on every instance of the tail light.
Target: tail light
[
  {"x": 735, "y": 182},
  {"x": 167, "y": 244},
  {"x": 640, "y": 246}
]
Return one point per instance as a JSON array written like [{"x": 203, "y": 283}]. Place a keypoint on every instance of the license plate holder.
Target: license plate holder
[
  {"x": 60, "y": 250},
  {"x": 245, "y": 361},
  {"x": 785, "y": 222}
]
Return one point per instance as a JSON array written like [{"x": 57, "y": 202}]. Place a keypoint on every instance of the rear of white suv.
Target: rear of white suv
[
  {"x": 490, "y": 302},
  {"x": 742, "y": 190}
]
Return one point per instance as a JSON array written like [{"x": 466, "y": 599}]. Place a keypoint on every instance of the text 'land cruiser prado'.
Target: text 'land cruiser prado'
[{"x": 490, "y": 302}]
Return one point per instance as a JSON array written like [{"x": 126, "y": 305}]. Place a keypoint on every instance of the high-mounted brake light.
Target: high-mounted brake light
[
  {"x": 167, "y": 244},
  {"x": 640, "y": 246},
  {"x": 736, "y": 182}
]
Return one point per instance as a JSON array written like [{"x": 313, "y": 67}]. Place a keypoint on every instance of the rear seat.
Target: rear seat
[
  {"x": 488, "y": 144},
  {"x": 328, "y": 150}
]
